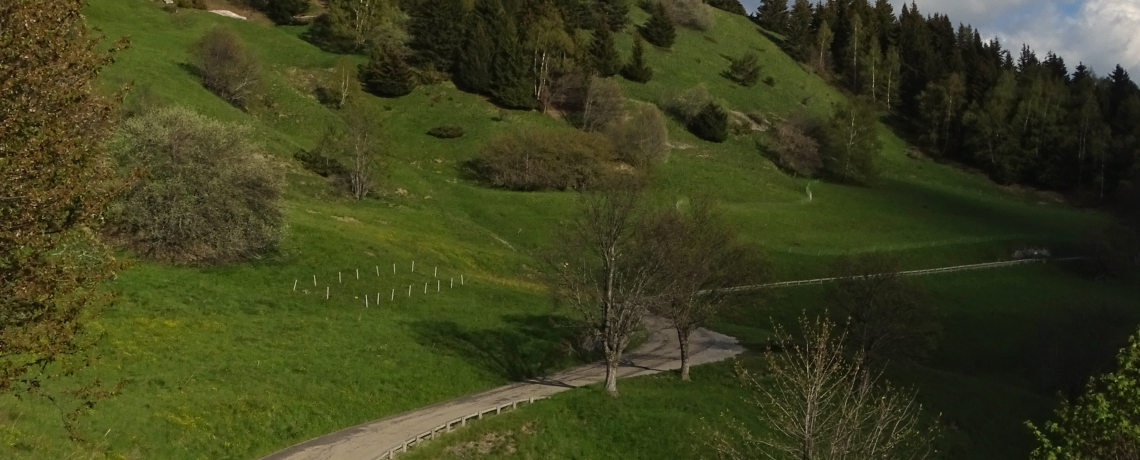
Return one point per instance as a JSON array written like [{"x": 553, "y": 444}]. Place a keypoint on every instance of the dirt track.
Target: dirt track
[{"x": 374, "y": 439}]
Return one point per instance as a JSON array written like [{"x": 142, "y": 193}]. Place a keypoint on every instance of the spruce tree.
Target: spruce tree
[
  {"x": 710, "y": 124},
  {"x": 731, "y": 6},
  {"x": 473, "y": 68},
  {"x": 512, "y": 78},
  {"x": 436, "y": 35},
  {"x": 614, "y": 13},
  {"x": 637, "y": 69},
  {"x": 773, "y": 15},
  {"x": 603, "y": 55},
  {"x": 387, "y": 73},
  {"x": 659, "y": 29},
  {"x": 798, "y": 39}
]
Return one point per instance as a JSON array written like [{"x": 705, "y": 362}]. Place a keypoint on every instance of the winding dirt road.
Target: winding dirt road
[{"x": 374, "y": 439}]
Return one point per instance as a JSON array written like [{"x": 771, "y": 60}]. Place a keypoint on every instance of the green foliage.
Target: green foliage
[
  {"x": 710, "y": 124},
  {"x": 659, "y": 29},
  {"x": 55, "y": 184},
  {"x": 853, "y": 144},
  {"x": 206, "y": 196},
  {"x": 226, "y": 67},
  {"x": 387, "y": 73},
  {"x": 357, "y": 25},
  {"x": 545, "y": 159},
  {"x": 473, "y": 71},
  {"x": 798, "y": 38},
  {"x": 744, "y": 70},
  {"x": 1103, "y": 423},
  {"x": 637, "y": 69},
  {"x": 773, "y": 15},
  {"x": 283, "y": 11},
  {"x": 446, "y": 131},
  {"x": 512, "y": 78},
  {"x": 604, "y": 57},
  {"x": 437, "y": 34},
  {"x": 614, "y": 13},
  {"x": 640, "y": 139},
  {"x": 692, "y": 14}
]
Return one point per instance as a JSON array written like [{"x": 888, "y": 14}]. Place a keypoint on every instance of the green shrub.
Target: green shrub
[
  {"x": 543, "y": 159},
  {"x": 710, "y": 124},
  {"x": 744, "y": 70},
  {"x": 659, "y": 29},
  {"x": 686, "y": 105},
  {"x": 640, "y": 139},
  {"x": 206, "y": 194},
  {"x": 770, "y": 81},
  {"x": 226, "y": 67},
  {"x": 446, "y": 132},
  {"x": 637, "y": 69},
  {"x": 693, "y": 14}
]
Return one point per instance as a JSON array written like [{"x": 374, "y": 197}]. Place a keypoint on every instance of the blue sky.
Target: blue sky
[{"x": 1101, "y": 33}]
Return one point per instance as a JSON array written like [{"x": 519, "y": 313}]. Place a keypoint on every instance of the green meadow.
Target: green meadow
[{"x": 233, "y": 362}]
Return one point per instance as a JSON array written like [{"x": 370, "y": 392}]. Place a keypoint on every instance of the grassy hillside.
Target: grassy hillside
[{"x": 231, "y": 362}]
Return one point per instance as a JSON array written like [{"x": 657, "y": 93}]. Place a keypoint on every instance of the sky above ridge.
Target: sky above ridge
[{"x": 1101, "y": 33}]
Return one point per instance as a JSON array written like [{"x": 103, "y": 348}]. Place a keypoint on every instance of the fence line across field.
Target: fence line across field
[
  {"x": 928, "y": 271},
  {"x": 450, "y": 425}
]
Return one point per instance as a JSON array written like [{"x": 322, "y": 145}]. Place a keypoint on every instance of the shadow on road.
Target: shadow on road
[{"x": 527, "y": 347}]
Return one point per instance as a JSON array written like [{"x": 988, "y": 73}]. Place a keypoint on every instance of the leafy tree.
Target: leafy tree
[
  {"x": 1103, "y": 423},
  {"x": 603, "y": 104},
  {"x": 206, "y": 196},
  {"x": 549, "y": 44},
  {"x": 773, "y": 15},
  {"x": 358, "y": 150},
  {"x": 226, "y": 67},
  {"x": 387, "y": 73},
  {"x": 357, "y": 25},
  {"x": 637, "y": 69},
  {"x": 54, "y": 186},
  {"x": 659, "y": 29},
  {"x": 853, "y": 143},
  {"x": 710, "y": 124},
  {"x": 990, "y": 133},
  {"x": 891, "y": 67},
  {"x": 436, "y": 33},
  {"x": 821, "y": 50},
  {"x": 604, "y": 57},
  {"x": 941, "y": 107},
  {"x": 614, "y": 13},
  {"x": 819, "y": 404},
  {"x": 745, "y": 70},
  {"x": 890, "y": 315}
]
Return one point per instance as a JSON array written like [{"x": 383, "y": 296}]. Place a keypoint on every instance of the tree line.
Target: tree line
[{"x": 1020, "y": 117}]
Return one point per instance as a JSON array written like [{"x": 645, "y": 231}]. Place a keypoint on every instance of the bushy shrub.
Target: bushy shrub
[
  {"x": 543, "y": 159},
  {"x": 446, "y": 131},
  {"x": 641, "y": 138},
  {"x": 206, "y": 194},
  {"x": 710, "y": 124},
  {"x": 226, "y": 67},
  {"x": 692, "y": 14},
  {"x": 686, "y": 105},
  {"x": 318, "y": 162},
  {"x": 744, "y": 70},
  {"x": 659, "y": 29},
  {"x": 792, "y": 148},
  {"x": 770, "y": 81},
  {"x": 387, "y": 73}
]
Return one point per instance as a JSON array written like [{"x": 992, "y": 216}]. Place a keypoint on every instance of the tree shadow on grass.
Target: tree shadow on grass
[{"x": 527, "y": 347}]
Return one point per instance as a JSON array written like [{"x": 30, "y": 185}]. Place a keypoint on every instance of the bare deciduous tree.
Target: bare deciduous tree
[
  {"x": 641, "y": 138},
  {"x": 359, "y": 146},
  {"x": 821, "y": 405},
  {"x": 700, "y": 258},
  {"x": 226, "y": 67},
  {"x": 603, "y": 272},
  {"x": 890, "y": 314},
  {"x": 603, "y": 104}
]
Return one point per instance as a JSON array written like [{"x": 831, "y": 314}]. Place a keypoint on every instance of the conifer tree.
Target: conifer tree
[
  {"x": 512, "y": 78},
  {"x": 731, "y": 6},
  {"x": 614, "y": 13},
  {"x": 604, "y": 57},
  {"x": 798, "y": 39},
  {"x": 387, "y": 73},
  {"x": 473, "y": 68},
  {"x": 773, "y": 15},
  {"x": 436, "y": 35},
  {"x": 659, "y": 29},
  {"x": 710, "y": 124},
  {"x": 637, "y": 69}
]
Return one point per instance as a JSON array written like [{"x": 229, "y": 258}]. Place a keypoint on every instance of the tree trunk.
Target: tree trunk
[
  {"x": 611, "y": 375},
  {"x": 683, "y": 338}
]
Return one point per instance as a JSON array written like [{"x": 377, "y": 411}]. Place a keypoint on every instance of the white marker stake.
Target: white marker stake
[
  {"x": 358, "y": 273},
  {"x": 453, "y": 283},
  {"x": 425, "y": 288},
  {"x": 409, "y": 290},
  {"x": 393, "y": 296},
  {"x": 314, "y": 280},
  {"x": 393, "y": 269},
  {"x": 326, "y": 293},
  {"x": 377, "y": 271},
  {"x": 294, "y": 285},
  {"x": 461, "y": 280},
  {"x": 365, "y": 301},
  {"x": 436, "y": 285},
  {"x": 413, "y": 266},
  {"x": 339, "y": 279},
  {"x": 436, "y": 274}
]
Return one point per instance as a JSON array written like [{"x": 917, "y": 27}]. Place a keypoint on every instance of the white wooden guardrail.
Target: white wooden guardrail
[{"x": 451, "y": 425}]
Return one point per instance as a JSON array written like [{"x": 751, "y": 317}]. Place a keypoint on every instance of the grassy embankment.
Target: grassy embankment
[{"x": 229, "y": 362}]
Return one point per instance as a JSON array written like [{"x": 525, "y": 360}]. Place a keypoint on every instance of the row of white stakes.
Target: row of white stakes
[{"x": 340, "y": 279}]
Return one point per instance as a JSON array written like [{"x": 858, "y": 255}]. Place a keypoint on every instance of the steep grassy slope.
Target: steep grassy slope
[{"x": 230, "y": 362}]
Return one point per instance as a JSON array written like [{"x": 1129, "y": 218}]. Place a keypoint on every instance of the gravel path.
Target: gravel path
[{"x": 374, "y": 439}]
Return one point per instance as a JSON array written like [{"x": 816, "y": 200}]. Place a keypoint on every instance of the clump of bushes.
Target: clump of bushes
[
  {"x": 641, "y": 138},
  {"x": 446, "y": 131},
  {"x": 543, "y": 159},
  {"x": 745, "y": 70},
  {"x": 792, "y": 147},
  {"x": 206, "y": 194},
  {"x": 692, "y": 14},
  {"x": 659, "y": 29},
  {"x": 226, "y": 67}
]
